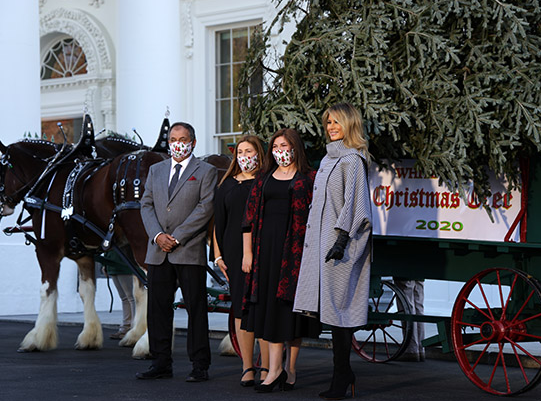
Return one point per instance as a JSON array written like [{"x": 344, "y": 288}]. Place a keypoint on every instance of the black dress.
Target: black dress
[
  {"x": 270, "y": 318},
  {"x": 230, "y": 201}
]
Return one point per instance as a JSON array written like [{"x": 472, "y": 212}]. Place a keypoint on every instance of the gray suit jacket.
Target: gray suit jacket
[{"x": 184, "y": 216}]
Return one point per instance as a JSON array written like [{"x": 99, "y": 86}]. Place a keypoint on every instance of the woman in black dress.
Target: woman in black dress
[
  {"x": 274, "y": 224},
  {"x": 230, "y": 201}
]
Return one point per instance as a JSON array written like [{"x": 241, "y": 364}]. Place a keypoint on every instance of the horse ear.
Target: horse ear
[{"x": 3, "y": 148}]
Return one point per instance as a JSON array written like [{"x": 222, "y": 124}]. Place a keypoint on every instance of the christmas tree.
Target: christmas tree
[{"x": 454, "y": 84}]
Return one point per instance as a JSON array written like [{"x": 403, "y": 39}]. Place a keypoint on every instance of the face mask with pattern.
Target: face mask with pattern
[
  {"x": 283, "y": 157},
  {"x": 248, "y": 163},
  {"x": 180, "y": 150}
]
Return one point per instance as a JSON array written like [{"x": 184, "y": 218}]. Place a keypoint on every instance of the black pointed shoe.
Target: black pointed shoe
[
  {"x": 155, "y": 373},
  {"x": 247, "y": 383},
  {"x": 198, "y": 375}
]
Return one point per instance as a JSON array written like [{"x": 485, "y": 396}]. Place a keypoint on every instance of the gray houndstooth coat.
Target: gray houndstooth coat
[{"x": 337, "y": 290}]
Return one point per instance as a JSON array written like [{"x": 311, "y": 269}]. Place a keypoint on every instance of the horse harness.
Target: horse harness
[
  {"x": 120, "y": 202},
  {"x": 78, "y": 177}
]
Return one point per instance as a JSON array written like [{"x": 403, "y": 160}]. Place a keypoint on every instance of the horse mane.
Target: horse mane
[
  {"x": 113, "y": 137},
  {"x": 56, "y": 145}
]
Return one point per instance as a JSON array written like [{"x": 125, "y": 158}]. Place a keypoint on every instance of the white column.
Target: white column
[
  {"x": 148, "y": 66},
  {"x": 19, "y": 69}
]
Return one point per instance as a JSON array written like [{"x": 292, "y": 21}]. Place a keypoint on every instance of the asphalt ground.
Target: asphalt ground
[{"x": 109, "y": 374}]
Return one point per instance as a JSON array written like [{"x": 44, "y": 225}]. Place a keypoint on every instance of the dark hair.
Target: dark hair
[
  {"x": 190, "y": 129},
  {"x": 234, "y": 167},
  {"x": 299, "y": 156}
]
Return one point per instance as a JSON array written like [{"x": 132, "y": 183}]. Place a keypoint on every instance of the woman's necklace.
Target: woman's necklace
[
  {"x": 241, "y": 177},
  {"x": 287, "y": 172}
]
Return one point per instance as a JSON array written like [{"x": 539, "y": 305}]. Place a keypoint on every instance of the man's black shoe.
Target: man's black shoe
[
  {"x": 155, "y": 373},
  {"x": 198, "y": 375}
]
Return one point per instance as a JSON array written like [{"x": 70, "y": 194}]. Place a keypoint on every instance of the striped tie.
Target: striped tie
[{"x": 174, "y": 180}]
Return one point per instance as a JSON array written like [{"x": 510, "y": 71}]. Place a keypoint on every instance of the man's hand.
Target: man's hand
[{"x": 166, "y": 242}]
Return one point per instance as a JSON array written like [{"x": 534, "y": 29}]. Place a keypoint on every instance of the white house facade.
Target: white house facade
[{"x": 125, "y": 63}]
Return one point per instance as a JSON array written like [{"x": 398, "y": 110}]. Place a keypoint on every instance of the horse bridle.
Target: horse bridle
[{"x": 6, "y": 199}]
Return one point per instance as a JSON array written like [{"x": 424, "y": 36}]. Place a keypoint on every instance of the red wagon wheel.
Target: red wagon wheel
[
  {"x": 233, "y": 333},
  {"x": 235, "y": 340},
  {"x": 385, "y": 338},
  {"x": 496, "y": 331}
]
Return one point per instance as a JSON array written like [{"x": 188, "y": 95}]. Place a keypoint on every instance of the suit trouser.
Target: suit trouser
[
  {"x": 415, "y": 293},
  {"x": 124, "y": 286},
  {"x": 163, "y": 281}
]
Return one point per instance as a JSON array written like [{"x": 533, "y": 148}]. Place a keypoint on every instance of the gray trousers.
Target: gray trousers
[
  {"x": 124, "y": 286},
  {"x": 415, "y": 294}
]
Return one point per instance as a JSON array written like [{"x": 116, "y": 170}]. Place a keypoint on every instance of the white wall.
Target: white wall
[{"x": 163, "y": 55}]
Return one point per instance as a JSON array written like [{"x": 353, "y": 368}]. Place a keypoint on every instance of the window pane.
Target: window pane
[
  {"x": 223, "y": 115},
  {"x": 224, "y": 85},
  {"x": 226, "y": 144},
  {"x": 236, "y": 75},
  {"x": 256, "y": 81},
  {"x": 72, "y": 128},
  {"x": 236, "y": 116},
  {"x": 223, "y": 52},
  {"x": 240, "y": 44},
  {"x": 64, "y": 59}
]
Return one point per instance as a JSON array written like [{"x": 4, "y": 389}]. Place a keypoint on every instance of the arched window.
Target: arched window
[{"x": 63, "y": 60}]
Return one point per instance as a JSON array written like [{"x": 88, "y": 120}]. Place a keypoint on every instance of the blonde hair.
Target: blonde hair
[
  {"x": 351, "y": 122},
  {"x": 234, "y": 167}
]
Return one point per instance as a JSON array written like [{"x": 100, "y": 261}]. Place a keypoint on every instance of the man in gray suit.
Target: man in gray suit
[{"x": 176, "y": 207}]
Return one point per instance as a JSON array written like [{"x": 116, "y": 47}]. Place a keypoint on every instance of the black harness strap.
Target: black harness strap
[
  {"x": 34, "y": 202},
  {"x": 122, "y": 185}
]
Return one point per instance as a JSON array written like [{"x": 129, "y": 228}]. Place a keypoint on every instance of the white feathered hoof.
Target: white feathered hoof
[
  {"x": 141, "y": 348},
  {"x": 130, "y": 339},
  {"x": 226, "y": 347},
  {"x": 90, "y": 338},
  {"x": 44, "y": 338}
]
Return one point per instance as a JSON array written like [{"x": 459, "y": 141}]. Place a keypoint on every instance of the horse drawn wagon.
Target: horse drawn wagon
[{"x": 495, "y": 326}]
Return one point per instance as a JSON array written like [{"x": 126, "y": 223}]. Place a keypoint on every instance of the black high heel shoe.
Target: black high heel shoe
[
  {"x": 261, "y": 370},
  {"x": 289, "y": 386},
  {"x": 267, "y": 388},
  {"x": 339, "y": 387},
  {"x": 247, "y": 383}
]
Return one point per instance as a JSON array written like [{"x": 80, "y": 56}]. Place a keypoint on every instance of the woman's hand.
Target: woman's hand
[
  {"x": 247, "y": 263},
  {"x": 221, "y": 264}
]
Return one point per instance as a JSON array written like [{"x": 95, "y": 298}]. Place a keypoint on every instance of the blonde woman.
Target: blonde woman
[
  {"x": 230, "y": 201},
  {"x": 336, "y": 257}
]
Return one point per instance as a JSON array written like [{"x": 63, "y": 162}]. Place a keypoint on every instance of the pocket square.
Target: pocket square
[{"x": 192, "y": 178}]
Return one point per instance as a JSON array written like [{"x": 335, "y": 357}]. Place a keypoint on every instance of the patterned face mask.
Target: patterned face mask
[
  {"x": 248, "y": 163},
  {"x": 180, "y": 150},
  {"x": 283, "y": 157}
]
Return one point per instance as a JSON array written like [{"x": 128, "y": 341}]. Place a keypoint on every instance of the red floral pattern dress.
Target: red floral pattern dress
[{"x": 300, "y": 193}]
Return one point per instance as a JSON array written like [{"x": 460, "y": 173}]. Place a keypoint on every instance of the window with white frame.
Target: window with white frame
[
  {"x": 63, "y": 60},
  {"x": 231, "y": 49}
]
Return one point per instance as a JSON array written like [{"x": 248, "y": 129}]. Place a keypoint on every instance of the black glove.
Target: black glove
[{"x": 337, "y": 250}]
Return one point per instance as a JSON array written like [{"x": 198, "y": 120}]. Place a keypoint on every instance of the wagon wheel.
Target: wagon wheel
[
  {"x": 496, "y": 342},
  {"x": 235, "y": 340},
  {"x": 384, "y": 338},
  {"x": 233, "y": 333}
]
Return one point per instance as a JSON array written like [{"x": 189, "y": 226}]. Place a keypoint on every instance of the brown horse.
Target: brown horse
[{"x": 104, "y": 199}]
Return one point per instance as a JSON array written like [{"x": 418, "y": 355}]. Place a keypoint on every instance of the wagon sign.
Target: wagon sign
[{"x": 405, "y": 203}]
